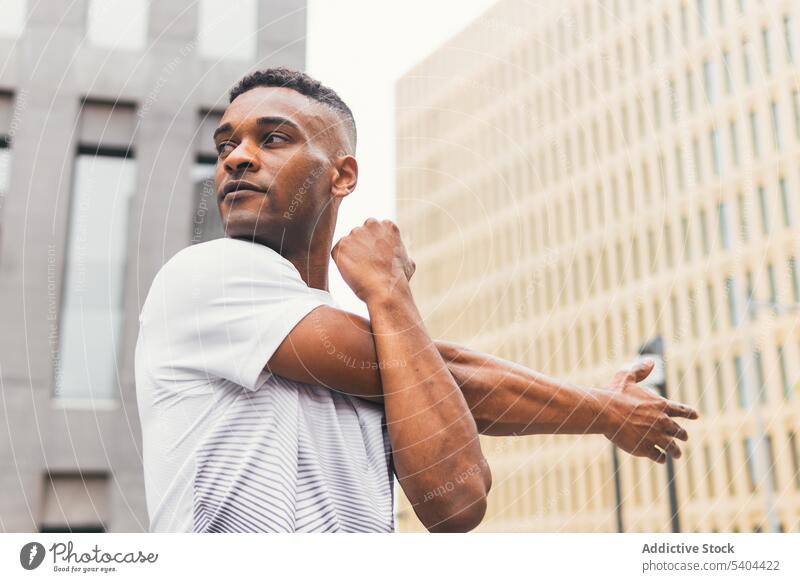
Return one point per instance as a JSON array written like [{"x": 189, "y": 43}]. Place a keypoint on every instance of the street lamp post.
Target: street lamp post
[{"x": 657, "y": 381}]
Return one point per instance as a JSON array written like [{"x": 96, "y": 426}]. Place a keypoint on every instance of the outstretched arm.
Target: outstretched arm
[{"x": 504, "y": 398}]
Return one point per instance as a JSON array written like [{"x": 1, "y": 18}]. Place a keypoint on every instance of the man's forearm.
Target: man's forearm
[
  {"x": 509, "y": 399},
  {"x": 434, "y": 437}
]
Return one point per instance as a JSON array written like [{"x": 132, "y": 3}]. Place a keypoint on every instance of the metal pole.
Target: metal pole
[
  {"x": 760, "y": 452},
  {"x": 617, "y": 487}
]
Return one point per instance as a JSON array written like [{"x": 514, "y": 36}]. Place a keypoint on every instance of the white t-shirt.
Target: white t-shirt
[{"x": 228, "y": 446}]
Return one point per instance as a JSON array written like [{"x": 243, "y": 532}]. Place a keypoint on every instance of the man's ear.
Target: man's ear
[{"x": 345, "y": 177}]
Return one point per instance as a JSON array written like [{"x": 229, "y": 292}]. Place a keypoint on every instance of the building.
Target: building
[
  {"x": 576, "y": 178},
  {"x": 106, "y": 114}
]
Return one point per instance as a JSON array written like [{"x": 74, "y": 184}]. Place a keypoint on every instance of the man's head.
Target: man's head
[{"x": 286, "y": 146}]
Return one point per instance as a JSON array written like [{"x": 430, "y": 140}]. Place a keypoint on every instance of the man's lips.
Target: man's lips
[{"x": 241, "y": 186}]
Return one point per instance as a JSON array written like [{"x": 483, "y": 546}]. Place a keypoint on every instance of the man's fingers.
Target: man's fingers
[
  {"x": 671, "y": 448},
  {"x": 657, "y": 455},
  {"x": 642, "y": 370},
  {"x": 678, "y": 409},
  {"x": 673, "y": 429}
]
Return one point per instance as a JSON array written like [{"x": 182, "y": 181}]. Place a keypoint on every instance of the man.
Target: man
[{"x": 265, "y": 407}]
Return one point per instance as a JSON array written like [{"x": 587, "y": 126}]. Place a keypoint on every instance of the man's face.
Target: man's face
[{"x": 273, "y": 173}]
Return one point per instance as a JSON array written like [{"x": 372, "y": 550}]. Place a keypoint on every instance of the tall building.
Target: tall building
[
  {"x": 576, "y": 178},
  {"x": 106, "y": 114}
]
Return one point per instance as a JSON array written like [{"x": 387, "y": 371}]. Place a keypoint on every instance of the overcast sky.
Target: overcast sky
[{"x": 359, "y": 48}]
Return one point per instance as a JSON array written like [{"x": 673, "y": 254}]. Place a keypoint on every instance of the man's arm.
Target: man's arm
[
  {"x": 505, "y": 398},
  {"x": 434, "y": 439}
]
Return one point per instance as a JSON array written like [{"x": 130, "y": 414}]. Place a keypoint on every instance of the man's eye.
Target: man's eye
[
  {"x": 225, "y": 148},
  {"x": 273, "y": 138}
]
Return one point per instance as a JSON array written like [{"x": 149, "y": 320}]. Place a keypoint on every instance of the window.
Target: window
[
  {"x": 92, "y": 312},
  {"x": 744, "y": 229},
  {"x": 795, "y": 454},
  {"x": 726, "y": 66},
  {"x": 796, "y": 107},
  {"x": 762, "y": 202},
  {"x": 228, "y": 29},
  {"x": 724, "y": 230},
  {"x": 6, "y": 106},
  {"x": 789, "y": 38},
  {"x": 702, "y": 17},
  {"x": 733, "y": 314},
  {"x": 712, "y": 306},
  {"x": 726, "y": 453},
  {"x": 689, "y": 89},
  {"x": 749, "y": 453},
  {"x": 117, "y": 24},
  {"x": 698, "y": 166},
  {"x": 709, "y": 82},
  {"x": 795, "y": 281},
  {"x": 76, "y": 503},
  {"x": 785, "y": 383},
  {"x": 206, "y": 220},
  {"x": 734, "y": 142},
  {"x": 704, "y": 232},
  {"x": 767, "y": 47},
  {"x": 716, "y": 159},
  {"x": 686, "y": 246},
  {"x": 776, "y": 124},
  {"x": 754, "y": 134},
  {"x": 785, "y": 202},
  {"x": 747, "y": 61},
  {"x": 13, "y": 21},
  {"x": 722, "y": 398},
  {"x": 762, "y": 388}
]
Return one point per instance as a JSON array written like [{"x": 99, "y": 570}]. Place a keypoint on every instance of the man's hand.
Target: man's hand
[
  {"x": 373, "y": 259},
  {"x": 639, "y": 421}
]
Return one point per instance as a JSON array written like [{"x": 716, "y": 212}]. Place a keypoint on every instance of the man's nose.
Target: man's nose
[{"x": 241, "y": 159}]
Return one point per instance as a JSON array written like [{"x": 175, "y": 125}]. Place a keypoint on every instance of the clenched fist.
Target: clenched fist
[{"x": 373, "y": 259}]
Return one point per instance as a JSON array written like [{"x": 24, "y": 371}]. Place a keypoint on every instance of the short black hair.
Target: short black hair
[{"x": 303, "y": 84}]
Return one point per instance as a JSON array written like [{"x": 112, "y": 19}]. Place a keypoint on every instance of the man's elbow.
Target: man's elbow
[
  {"x": 461, "y": 520},
  {"x": 465, "y": 507}
]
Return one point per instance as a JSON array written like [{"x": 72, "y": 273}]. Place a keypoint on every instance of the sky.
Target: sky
[{"x": 359, "y": 48}]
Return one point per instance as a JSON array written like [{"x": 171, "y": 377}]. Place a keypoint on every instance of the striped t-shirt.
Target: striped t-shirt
[{"x": 228, "y": 447}]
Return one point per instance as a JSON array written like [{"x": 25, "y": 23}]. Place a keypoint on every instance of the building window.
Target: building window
[
  {"x": 117, "y": 24},
  {"x": 785, "y": 383},
  {"x": 709, "y": 82},
  {"x": 754, "y": 145},
  {"x": 766, "y": 43},
  {"x": 712, "y": 306},
  {"x": 734, "y": 142},
  {"x": 722, "y": 398},
  {"x": 795, "y": 280},
  {"x": 785, "y": 202},
  {"x": 749, "y": 449},
  {"x": 13, "y": 21},
  {"x": 702, "y": 17},
  {"x": 796, "y": 107},
  {"x": 724, "y": 229},
  {"x": 92, "y": 309},
  {"x": 747, "y": 61},
  {"x": 704, "y": 232},
  {"x": 776, "y": 124},
  {"x": 794, "y": 451},
  {"x": 716, "y": 153},
  {"x": 744, "y": 229},
  {"x": 762, "y": 387},
  {"x": 726, "y": 66},
  {"x": 228, "y": 29},
  {"x": 75, "y": 503},
  {"x": 726, "y": 453},
  {"x": 733, "y": 314},
  {"x": 789, "y": 38},
  {"x": 740, "y": 381},
  {"x": 762, "y": 202}
]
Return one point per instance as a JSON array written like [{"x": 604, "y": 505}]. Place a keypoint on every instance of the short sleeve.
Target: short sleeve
[{"x": 221, "y": 309}]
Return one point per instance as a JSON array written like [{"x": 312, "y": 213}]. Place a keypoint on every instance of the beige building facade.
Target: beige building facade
[{"x": 575, "y": 178}]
